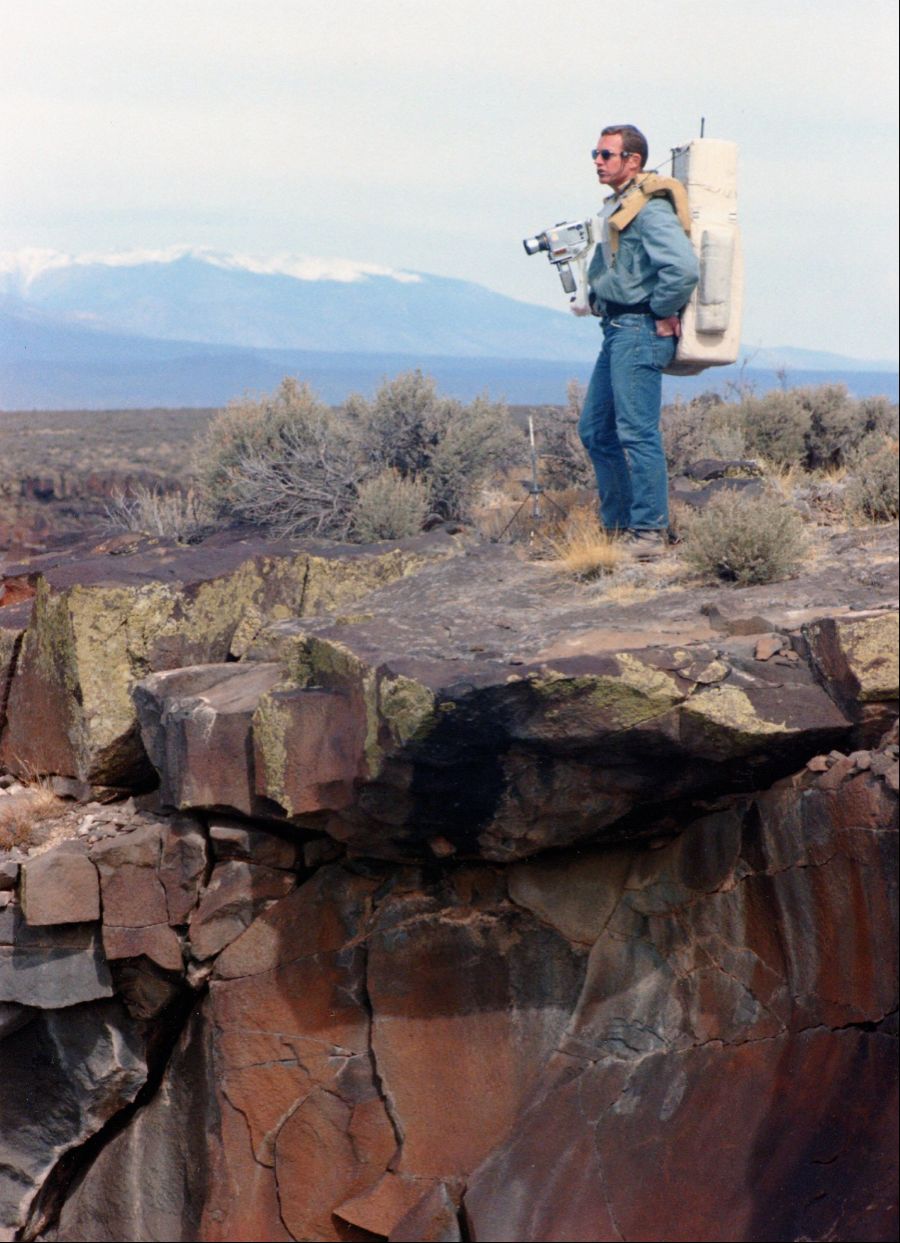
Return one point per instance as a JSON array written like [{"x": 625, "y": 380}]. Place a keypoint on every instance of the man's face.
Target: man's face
[{"x": 617, "y": 169}]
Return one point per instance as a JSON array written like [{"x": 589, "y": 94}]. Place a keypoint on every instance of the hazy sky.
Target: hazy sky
[{"x": 435, "y": 136}]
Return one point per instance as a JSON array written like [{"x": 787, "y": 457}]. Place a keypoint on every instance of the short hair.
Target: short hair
[{"x": 633, "y": 141}]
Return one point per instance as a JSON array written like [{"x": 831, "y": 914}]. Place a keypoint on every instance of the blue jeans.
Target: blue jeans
[{"x": 619, "y": 424}]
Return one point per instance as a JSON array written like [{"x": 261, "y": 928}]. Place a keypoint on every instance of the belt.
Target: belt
[{"x": 620, "y": 308}]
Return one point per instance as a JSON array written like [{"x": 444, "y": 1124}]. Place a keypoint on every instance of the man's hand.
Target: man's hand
[
  {"x": 670, "y": 327},
  {"x": 579, "y": 308}
]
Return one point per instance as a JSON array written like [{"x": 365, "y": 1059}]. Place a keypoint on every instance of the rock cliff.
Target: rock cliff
[{"x": 413, "y": 892}]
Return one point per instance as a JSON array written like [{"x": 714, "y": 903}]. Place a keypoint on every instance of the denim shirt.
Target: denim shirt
[{"x": 655, "y": 263}]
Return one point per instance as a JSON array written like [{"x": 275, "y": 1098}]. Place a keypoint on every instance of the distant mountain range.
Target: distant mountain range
[{"x": 196, "y": 327}]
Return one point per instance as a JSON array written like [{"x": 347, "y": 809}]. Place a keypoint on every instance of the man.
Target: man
[{"x": 640, "y": 278}]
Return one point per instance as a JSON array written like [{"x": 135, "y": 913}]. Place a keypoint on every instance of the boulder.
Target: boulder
[
  {"x": 98, "y": 625},
  {"x": 51, "y": 967},
  {"x": 857, "y": 661},
  {"x": 195, "y": 724},
  {"x": 60, "y": 887}
]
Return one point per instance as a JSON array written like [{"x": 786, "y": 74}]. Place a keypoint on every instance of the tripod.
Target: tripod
[{"x": 534, "y": 490}]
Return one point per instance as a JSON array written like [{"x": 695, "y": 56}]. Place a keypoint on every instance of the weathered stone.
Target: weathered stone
[
  {"x": 837, "y": 772},
  {"x": 82, "y": 1064},
  {"x": 99, "y": 625},
  {"x": 308, "y": 749},
  {"x": 132, "y": 892},
  {"x": 195, "y": 723},
  {"x": 504, "y": 766},
  {"x": 765, "y": 1139},
  {"x": 731, "y": 616},
  {"x": 182, "y": 866},
  {"x": 151, "y": 1180},
  {"x": 236, "y": 893},
  {"x": 740, "y": 720},
  {"x": 857, "y": 660},
  {"x": 768, "y": 646},
  {"x": 235, "y": 839},
  {"x": 60, "y": 887},
  {"x": 576, "y": 894},
  {"x": 718, "y": 990},
  {"x": 433, "y": 1219},
  {"x": 158, "y": 942},
  {"x": 13, "y": 1016},
  {"x": 297, "y": 1080},
  {"x": 69, "y": 787},
  {"x": 13, "y": 622},
  {"x": 52, "y": 967},
  {"x": 320, "y": 850},
  {"x": 9, "y": 873},
  {"x": 380, "y": 1207},
  {"x": 146, "y": 989},
  {"x": 477, "y": 1037}
]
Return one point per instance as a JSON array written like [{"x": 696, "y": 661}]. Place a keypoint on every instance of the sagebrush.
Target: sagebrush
[
  {"x": 293, "y": 466},
  {"x": 744, "y": 540},
  {"x": 873, "y": 493}
]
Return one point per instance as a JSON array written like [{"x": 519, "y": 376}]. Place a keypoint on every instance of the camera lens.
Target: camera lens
[{"x": 534, "y": 244}]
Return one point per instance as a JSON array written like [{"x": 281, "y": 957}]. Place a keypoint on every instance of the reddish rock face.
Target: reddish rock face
[
  {"x": 691, "y": 1041},
  {"x": 725, "y": 1074},
  {"x": 567, "y": 966}
]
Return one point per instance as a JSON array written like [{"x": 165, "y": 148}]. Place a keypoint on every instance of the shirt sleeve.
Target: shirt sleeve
[{"x": 671, "y": 256}]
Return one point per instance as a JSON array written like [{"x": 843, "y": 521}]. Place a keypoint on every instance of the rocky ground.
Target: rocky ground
[{"x": 418, "y": 891}]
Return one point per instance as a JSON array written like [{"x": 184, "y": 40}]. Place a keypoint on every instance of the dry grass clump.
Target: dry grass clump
[
  {"x": 182, "y": 516},
  {"x": 584, "y": 548},
  {"x": 23, "y": 811},
  {"x": 745, "y": 540}
]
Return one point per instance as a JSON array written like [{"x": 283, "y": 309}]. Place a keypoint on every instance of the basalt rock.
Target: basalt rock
[
  {"x": 472, "y": 914},
  {"x": 99, "y": 624},
  {"x": 687, "y": 1037}
]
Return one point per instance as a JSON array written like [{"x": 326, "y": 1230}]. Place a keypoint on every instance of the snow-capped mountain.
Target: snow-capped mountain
[
  {"x": 188, "y": 326},
  {"x": 287, "y": 302}
]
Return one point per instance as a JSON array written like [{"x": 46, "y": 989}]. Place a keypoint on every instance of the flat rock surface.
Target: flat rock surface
[{"x": 492, "y": 604}]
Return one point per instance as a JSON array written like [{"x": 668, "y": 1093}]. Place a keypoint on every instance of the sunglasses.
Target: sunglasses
[{"x": 608, "y": 155}]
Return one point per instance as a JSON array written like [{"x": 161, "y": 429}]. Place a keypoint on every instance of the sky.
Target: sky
[{"x": 435, "y": 136}]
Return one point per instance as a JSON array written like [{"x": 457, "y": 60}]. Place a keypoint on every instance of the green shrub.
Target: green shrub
[
  {"x": 404, "y": 421},
  {"x": 776, "y": 426},
  {"x": 285, "y": 463},
  {"x": 477, "y": 442},
  {"x": 451, "y": 447},
  {"x": 744, "y": 540},
  {"x": 704, "y": 427},
  {"x": 834, "y": 425},
  {"x": 389, "y": 507},
  {"x": 292, "y": 466},
  {"x": 250, "y": 427},
  {"x": 874, "y": 492}
]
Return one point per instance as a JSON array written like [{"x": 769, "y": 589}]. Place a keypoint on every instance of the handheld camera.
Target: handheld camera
[{"x": 567, "y": 243}]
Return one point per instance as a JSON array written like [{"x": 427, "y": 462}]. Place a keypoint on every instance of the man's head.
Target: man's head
[{"x": 621, "y": 152}]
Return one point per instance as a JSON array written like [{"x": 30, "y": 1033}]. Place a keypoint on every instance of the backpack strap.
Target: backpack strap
[{"x": 648, "y": 186}]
